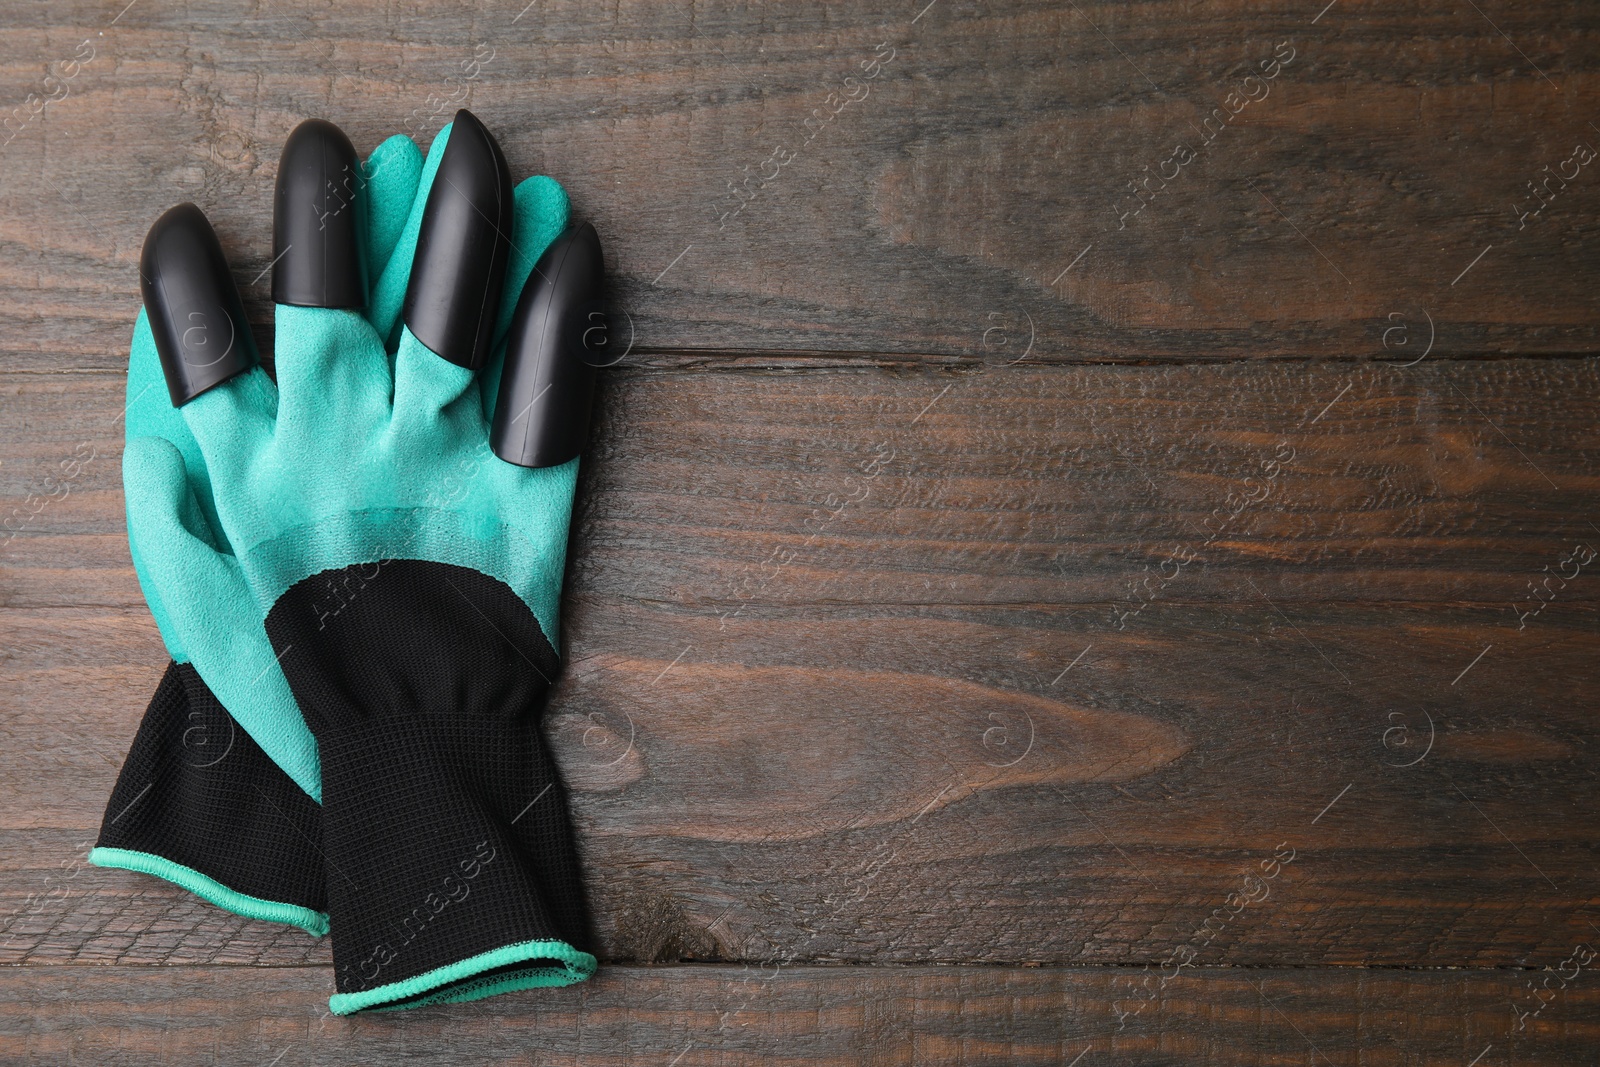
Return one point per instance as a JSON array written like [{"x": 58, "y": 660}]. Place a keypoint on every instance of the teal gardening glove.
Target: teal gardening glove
[{"x": 364, "y": 544}]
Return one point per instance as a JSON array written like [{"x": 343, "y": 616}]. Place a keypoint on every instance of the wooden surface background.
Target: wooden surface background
[{"x": 1006, "y": 623}]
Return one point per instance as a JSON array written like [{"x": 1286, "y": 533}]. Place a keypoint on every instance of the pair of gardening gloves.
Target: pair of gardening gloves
[{"x": 357, "y": 568}]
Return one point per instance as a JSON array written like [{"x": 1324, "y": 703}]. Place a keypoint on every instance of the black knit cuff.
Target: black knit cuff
[
  {"x": 199, "y": 804},
  {"x": 452, "y": 870}
]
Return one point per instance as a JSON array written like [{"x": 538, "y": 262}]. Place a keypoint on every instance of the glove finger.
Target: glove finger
[
  {"x": 333, "y": 378},
  {"x": 393, "y": 172},
  {"x": 318, "y": 245},
  {"x": 328, "y": 356},
  {"x": 149, "y": 413},
  {"x": 541, "y": 211},
  {"x": 542, "y": 407},
  {"x": 194, "y": 311},
  {"x": 457, "y": 273},
  {"x": 390, "y": 282},
  {"x": 210, "y": 606},
  {"x": 463, "y": 243},
  {"x": 201, "y": 337},
  {"x": 166, "y": 521}
]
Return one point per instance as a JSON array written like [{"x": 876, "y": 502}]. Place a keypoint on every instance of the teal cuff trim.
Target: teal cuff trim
[
  {"x": 205, "y": 887},
  {"x": 450, "y": 984}
]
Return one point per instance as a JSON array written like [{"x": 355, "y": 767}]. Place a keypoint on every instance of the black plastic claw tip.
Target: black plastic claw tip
[
  {"x": 460, "y": 264},
  {"x": 319, "y": 256},
  {"x": 195, "y": 314},
  {"x": 558, "y": 337}
]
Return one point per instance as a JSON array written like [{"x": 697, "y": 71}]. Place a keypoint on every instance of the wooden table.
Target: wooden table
[{"x": 1090, "y": 557}]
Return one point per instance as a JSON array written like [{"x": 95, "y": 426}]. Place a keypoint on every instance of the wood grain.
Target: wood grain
[
  {"x": 1052, "y": 512},
  {"x": 692, "y": 1016},
  {"x": 946, "y": 204},
  {"x": 888, "y": 667}
]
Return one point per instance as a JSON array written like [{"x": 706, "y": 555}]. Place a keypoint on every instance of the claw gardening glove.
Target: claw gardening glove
[{"x": 406, "y": 573}]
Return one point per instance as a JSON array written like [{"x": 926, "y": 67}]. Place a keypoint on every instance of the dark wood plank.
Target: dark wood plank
[
  {"x": 876, "y": 751},
  {"x": 938, "y": 215},
  {"x": 690, "y": 1016},
  {"x": 893, "y": 660}
]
